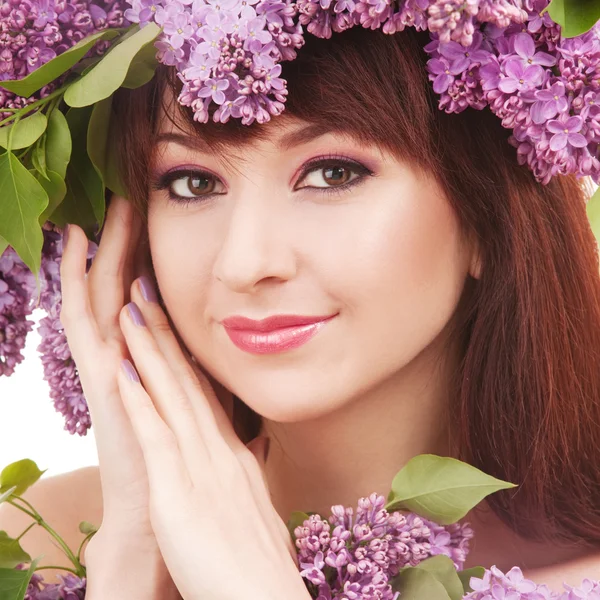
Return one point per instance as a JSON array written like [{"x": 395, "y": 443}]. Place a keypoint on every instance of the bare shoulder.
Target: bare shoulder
[
  {"x": 572, "y": 572},
  {"x": 63, "y": 501}
]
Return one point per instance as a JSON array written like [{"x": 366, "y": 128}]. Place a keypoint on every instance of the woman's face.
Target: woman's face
[{"x": 317, "y": 225}]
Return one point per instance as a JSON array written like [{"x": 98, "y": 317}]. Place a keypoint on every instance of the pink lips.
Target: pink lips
[{"x": 273, "y": 334}]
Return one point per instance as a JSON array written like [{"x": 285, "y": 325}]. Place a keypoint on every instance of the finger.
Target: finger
[
  {"x": 164, "y": 464},
  {"x": 210, "y": 413},
  {"x": 108, "y": 289},
  {"x": 170, "y": 399},
  {"x": 76, "y": 312}
]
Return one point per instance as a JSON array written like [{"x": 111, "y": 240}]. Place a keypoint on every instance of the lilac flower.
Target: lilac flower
[
  {"x": 214, "y": 89},
  {"x": 518, "y": 77},
  {"x": 442, "y": 74},
  {"x": 463, "y": 57},
  {"x": 549, "y": 103},
  {"x": 71, "y": 587},
  {"x": 526, "y": 51},
  {"x": 566, "y": 132},
  {"x": 178, "y": 28},
  {"x": 44, "y": 14},
  {"x": 510, "y": 586}
]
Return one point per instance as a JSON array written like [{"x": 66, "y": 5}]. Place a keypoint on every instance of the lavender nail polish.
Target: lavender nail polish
[
  {"x": 147, "y": 288},
  {"x": 129, "y": 370},
  {"x": 136, "y": 314}
]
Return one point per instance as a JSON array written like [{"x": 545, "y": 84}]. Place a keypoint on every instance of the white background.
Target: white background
[{"x": 30, "y": 426}]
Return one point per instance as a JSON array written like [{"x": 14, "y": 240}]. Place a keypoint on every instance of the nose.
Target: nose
[{"x": 256, "y": 246}]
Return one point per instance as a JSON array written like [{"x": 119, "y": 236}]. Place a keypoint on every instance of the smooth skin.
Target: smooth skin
[{"x": 174, "y": 473}]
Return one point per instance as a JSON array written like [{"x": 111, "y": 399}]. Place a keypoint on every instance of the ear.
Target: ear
[{"x": 476, "y": 263}]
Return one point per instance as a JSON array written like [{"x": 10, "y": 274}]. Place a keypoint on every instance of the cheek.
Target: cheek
[
  {"x": 181, "y": 272},
  {"x": 404, "y": 271}
]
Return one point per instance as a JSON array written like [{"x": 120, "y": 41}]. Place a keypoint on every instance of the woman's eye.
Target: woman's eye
[
  {"x": 332, "y": 175},
  {"x": 193, "y": 185}
]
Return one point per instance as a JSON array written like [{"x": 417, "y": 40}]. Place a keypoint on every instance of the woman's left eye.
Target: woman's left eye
[{"x": 333, "y": 174}]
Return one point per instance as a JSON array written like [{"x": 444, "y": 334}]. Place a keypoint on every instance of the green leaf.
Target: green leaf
[
  {"x": 418, "y": 584},
  {"x": 441, "y": 489},
  {"x": 11, "y": 553},
  {"x": 4, "y": 496},
  {"x": 22, "y": 201},
  {"x": 14, "y": 582},
  {"x": 101, "y": 149},
  {"x": 465, "y": 577},
  {"x": 442, "y": 568},
  {"x": 23, "y": 474},
  {"x": 38, "y": 157},
  {"x": 25, "y": 132},
  {"x": 84, "y": 202},
  {"x": 56, "y": 189},
  {"x": 142, "y": 68},
  {"x": 87, "y": 528},
  {"x": 57, "y": 66},
  {"x": 593, "y": 213},
  {"x": 109, "y": 74},
  {"x": 575, "y": 17},
  {"x": 3, "y": 245},
  {"x": 296, "y": 519},
  {"x": 58, "y": 143}
]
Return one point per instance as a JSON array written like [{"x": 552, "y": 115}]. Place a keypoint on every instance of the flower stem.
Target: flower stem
[
  {"x": 32, "y": 525},
  {"x": 80, "y": 569},
  {"x": 85, "y": 539}
]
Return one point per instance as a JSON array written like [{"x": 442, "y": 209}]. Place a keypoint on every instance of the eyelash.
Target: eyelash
[{"x": 165, "y": 181}]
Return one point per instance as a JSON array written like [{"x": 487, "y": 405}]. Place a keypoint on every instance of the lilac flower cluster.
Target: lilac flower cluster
[
  {"x": 496, "y": 585},
  {"x": 70, "y": 588},
  {"x": 17, "y": 302},
  {"x": 502, "y": 54},
  {"x": 33, "y": 32},
  {"x": 226, "y": 52},
  {"x": 359, "y": 557},
  {"x": 17, "y": 285},
  {"x": 60, "y": 370},
  {"x": 544, "y": 88}
]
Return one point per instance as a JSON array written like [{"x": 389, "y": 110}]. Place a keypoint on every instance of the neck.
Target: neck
[{"x": 357, "y": 450}]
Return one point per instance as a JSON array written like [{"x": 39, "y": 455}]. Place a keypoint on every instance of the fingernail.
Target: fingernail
[
  {"x": 129, "y": 370},
  {"x": 65, "y": 236},
  {"x": 148, "y": 291},
  {"x": 136, "y": 314}
]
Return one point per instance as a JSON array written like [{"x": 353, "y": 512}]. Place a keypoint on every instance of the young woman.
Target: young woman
[{"x": 456, "y": 303}]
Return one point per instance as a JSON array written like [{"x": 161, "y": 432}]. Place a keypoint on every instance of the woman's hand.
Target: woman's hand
[
  {"x": 90, "y": 315},
  {"x": 210, "y": 507}
]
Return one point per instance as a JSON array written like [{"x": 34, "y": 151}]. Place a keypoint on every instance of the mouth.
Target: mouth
[{"x": 275, "y": 340}]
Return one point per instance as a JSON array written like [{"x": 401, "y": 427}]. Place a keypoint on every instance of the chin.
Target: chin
[{"x": 291, "y": 403}]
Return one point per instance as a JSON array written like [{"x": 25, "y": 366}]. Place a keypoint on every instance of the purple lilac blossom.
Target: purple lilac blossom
[
  {"x": 351, "y": 554},
  {"x": 512, "y": 585},
  {"x": 33, "y": 32},
  {"x": 60, "y": 370},
  {"x": 17, "y": 301},
  {"x": 498, "y": 53},
  {"x": 16, "y": 282},
  {"x": 71, "y": 587}
]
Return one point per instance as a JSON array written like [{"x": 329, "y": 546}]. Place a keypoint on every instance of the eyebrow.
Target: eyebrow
[{"x": 286, "y": 142}]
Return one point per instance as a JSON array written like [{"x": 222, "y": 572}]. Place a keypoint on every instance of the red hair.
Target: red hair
[{"x": 525, "y": 403}]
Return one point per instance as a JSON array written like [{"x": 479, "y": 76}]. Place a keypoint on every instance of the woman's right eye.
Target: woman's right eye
[{"x": 192, "y": 185}]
